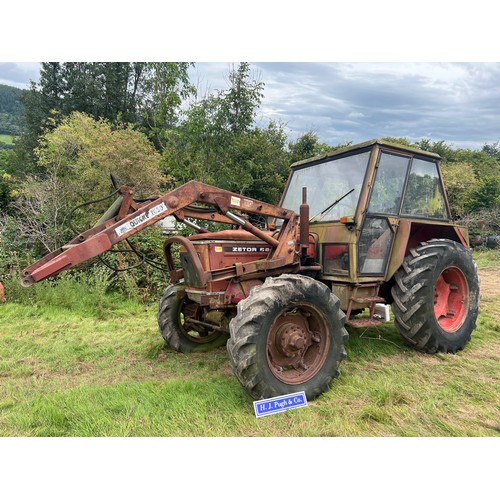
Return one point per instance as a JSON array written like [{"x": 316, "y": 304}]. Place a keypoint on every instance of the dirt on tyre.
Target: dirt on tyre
[
  {"x": 174, "y": 313},
  {"x": 436, "y": 297},
  {"x": 288, "y": 336}
]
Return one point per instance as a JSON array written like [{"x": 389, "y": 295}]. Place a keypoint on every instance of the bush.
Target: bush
[
  {"x": 15, "y": 254},
  {"x": 86, "y": 291},
  {"x": 483, "y": 225}
]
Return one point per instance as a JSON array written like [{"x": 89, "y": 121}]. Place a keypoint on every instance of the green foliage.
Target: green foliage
[
  {"x": 492, "y": 150},
  {"x": 76, "y": 158},
  {"x": 6, "y": 191},
  {"x": 460, "y": 180},
  {"x": 258, "y": 165},
  {"x": 472, "y": 181},
  {"x": 86, "y": 292},
  {"x": 445, "y": 151},
  {"x": 8, "y": 183},
  {"x": 217, "y": 142},
  {"x": 84, "y": 152},
  {"x": 240, "y": 101},
  {"x": 399, "y": 140},
  {"x": 486, "y": 194},
  {"x": 15, "y": 253},
  {"x": 165, "y": 87},
  {"x": 307, "y": 146},
  {"x": 11, "y": 110},
  {"x": 146, "y": 94}
]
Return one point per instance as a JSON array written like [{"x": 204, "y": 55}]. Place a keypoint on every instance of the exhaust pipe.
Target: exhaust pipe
[{"x": 304, "y": 223}]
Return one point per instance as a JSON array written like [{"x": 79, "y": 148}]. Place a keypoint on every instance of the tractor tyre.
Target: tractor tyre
[
  {"x": 175, "y": 309},
  {"x": 436, "y": 297},
  {"x": 288, "y": 336}
]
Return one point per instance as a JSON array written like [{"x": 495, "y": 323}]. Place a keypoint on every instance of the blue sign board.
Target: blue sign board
[{"x": 279, "y": 404}]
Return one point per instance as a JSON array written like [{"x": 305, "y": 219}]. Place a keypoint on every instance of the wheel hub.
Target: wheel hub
[
  {"x": 451, "y": 299},
  {"x": 292, "y": 339},
  {"x": 297, "y": 345}
]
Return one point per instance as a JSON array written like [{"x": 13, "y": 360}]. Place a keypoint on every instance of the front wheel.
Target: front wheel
[
  {"x": 288, "y": 336},
  {"x": 436, "y": 296},
  {"x": 174, "y": 316}
]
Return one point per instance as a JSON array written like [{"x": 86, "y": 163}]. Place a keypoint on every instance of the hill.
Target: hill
[{"x": 11, "y": 109}]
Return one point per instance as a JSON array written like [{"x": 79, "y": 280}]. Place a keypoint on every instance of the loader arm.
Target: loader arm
[{"x": 128, "y": 217}]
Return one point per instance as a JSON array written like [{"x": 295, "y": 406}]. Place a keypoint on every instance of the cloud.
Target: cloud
[
  {"x": 349, "y": 101},
  {"x": 455, "y": 102},
  {"x": 18, "y": 74}
]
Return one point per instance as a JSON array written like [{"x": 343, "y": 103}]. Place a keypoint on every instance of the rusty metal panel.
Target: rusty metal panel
[
  {"x": 343, "y": 293},
  {"x": 399, "y": 247}
]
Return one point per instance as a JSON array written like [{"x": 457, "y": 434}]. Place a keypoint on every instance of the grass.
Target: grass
[
  {"x": 89, "y": 364},
  {"x": 487, "y": 258},
  {"x": 6, "y": 139}
]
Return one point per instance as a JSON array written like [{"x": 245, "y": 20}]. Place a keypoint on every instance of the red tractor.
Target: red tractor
[{"x": 364, "y": 225}]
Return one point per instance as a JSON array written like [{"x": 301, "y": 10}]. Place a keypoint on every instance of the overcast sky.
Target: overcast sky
[{"x": 455, "y": 102}]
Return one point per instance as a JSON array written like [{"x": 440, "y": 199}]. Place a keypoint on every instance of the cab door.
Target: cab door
[{"x": 377, "y": 232}]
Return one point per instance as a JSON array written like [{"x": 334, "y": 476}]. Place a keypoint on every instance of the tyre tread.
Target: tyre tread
[
  {"x": 411, "y": 291},
  {"x": 241, "y": 345}
]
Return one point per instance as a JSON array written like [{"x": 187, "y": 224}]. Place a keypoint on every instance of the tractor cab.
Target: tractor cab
[{"x": 360, "y": 197}]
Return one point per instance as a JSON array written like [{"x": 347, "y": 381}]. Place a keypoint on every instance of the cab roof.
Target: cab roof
[{"x": 365, "y": 145}]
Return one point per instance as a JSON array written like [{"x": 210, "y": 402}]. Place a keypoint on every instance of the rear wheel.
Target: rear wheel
[
  {"x": 174, "y": 314},
  {"x": 288, "y": 336},
  {"x": 436, "y": 297}
]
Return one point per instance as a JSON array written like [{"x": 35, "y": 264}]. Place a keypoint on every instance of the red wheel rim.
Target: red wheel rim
[
  {"x": 451, "y": 299},
  {"x": 298, "y": 344}
]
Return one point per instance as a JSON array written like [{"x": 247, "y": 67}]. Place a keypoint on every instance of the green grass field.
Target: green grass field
[
  {"x": 88, "y": 365},
  {"x": 7, "y": 139}
]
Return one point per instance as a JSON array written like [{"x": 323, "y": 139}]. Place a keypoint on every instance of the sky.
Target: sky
[{"x": 358, "y": 101}]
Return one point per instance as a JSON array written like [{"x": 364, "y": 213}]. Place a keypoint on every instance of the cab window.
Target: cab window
[
  {"x": 389, "y": 182},
  {"x": 424, "y": 195}
]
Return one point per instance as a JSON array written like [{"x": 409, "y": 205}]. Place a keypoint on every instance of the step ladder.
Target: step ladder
[{"x": 370, "y": 301}]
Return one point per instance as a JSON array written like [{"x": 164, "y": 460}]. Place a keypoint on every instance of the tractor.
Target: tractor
[{"x": 357, "y": 227}]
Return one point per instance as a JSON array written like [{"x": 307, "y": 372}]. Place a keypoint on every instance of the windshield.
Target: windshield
[{"x": 337, "y": 179}]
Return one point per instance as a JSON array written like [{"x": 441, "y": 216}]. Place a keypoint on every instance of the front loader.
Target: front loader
[{"x": 360, "y": 226}]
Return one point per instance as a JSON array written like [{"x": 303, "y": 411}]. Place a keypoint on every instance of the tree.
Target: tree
[
  {"x": 8, "y": 184},
  {"x": 217, "y": 142},
  {"x": 146, "y": 94},
  {"x": 165, "y": 87},
  {"x": 307, "y": 146},
  {"x": 486, "y": 194},
  {"x": 240, "y": 102},
  {"x": 445, "y": 151},
  {"x": 76, "y": 159},
  {"x": 492, "y": 150},
  {"x": 40, "y": 103},
  {"x": 258, "y": 164},
  {"x": 460, "y": 182}
]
